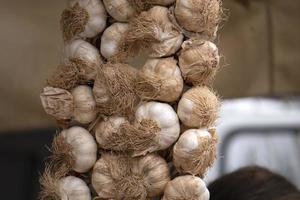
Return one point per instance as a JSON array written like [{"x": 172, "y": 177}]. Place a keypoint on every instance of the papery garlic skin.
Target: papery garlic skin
[
  {"x": 165, "y": 72},
  {"x": 199, "y": 16},
  {"x": 111, "y": 39},
  {"x": 57, "y": 102},
  {"x": 169, "y": 38},
  {"x": 73, "y": 188},
  {"x": 84, "y": 148},
  {"x": 84, "y": 104},
  {"x": 120, "y": 10},
  {"x": 186, "y": 187},
  {"x": 119, "y": 177},
  {"x": 97, "y": 16},
  {"x": 165, "y": 117},
  {"x": 199, "y": 61},
  {"x": 195, "y": 151},
  {"x": 80, "y": 49},
  {"x": 198, "y": 107},
  {"x": 106, "y": 128}
]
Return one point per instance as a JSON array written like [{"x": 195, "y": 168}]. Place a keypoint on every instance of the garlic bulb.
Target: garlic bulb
[
  {"x": 83, "y": 18},
  {"x": 86, "y": 56},
  {"x": 120, "y": 10},
  {"x": 169, "y": 39},
  {"x": 152, "y": 30},
  {"x": 120, "y": 177},
  {"x": 111, "y": 39},
  {"x": 156, "y": 128},
  {"x": 74, "y": 148},
  {"x": 198, "y": 107},
  {"x": 160, "y": 79},
  {"x": 186, "y": 187},
  {"x": 74, "y": 188},
  {"x": 114, "y": 89},
  {"x": 84, "y": 104},
  {"x": 199, "y": 16},
  {"x": 195, "y": 151},
  {"x": 56, "y": 186},
  {"x": 199, "y": 61},
  {"x": 57, "y": 102},
  {"x": 165, "y": 118}
]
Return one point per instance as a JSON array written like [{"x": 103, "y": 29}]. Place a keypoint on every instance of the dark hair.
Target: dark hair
[{"x": 253, "y": 183}]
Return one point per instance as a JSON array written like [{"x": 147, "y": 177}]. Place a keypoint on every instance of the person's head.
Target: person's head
[{"x": 253, "y": 183}]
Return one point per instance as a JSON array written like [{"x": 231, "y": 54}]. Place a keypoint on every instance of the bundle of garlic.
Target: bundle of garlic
[{"x": 118, "y": 116}]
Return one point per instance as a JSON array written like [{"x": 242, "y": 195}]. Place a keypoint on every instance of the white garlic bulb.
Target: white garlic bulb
[
  {"x": 83, "y": 18},
  {"x": 84, "y": 104},
  {"x": 198, "y": 107},
  {"x": 55, "y": 185},
  {"x": 83, "y": 148},
  {"x": 199, "y": 16},
  {"x": 112, "y": 38},
  {"x": 160, "y": 79},
  {"x": 156, "y": 128},
  {"x": 166, "y": 119},
  {"x": 105, "y": 129},
  {"x": 199, "y": 61},
  {"x": 85, "y": 55},
  {"x": 195, "y": 151},
  {"x": 121, "y": 177},
  {"x": 73, "y": 188},
  {"x": 169, "y": 39},
  {"x": 186, "y": 187},
  {"x": 120, "y": 10}
]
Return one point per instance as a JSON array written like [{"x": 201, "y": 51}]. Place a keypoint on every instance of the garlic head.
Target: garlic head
[
  {"x": 83, "y": 18},
  {"x": 84, "y": 148},
  {"x": 195, "y": 151},
  {"x": 160, "y": 79},
  {"x": 201, "y": 17},
  {"x": 186, "y": 187},
  {"x": 120, "y": 10},
  {"x": 198, "y": 107},
  {"x": 199, "y": 61},
  {"x": 111, "y": 39},
  {"x": 166, "y": 119},
  {"x": 121, "y": 177},
  {"x": 74, "y": 188}
]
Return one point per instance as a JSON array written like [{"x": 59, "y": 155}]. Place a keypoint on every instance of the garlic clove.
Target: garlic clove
[
  {"x": 186, "y": 187},
  {"x": 57, "y": 102},
  {"x": 83, "y": 148},
  {"x": 201, "y": 17},
  {"x": 74, "y": 188},
  {"x": 83, "y": 18},
  {"x": 195, "y": 151},
  {"x": 198, "y": 107},
  {"x": 112, "y": 38},
  {"x": 199, "y": 61},
  {"x": 120, "y": 10},
  {"x": 84, "y": 104},
  {"x": 160, "y": 79}
]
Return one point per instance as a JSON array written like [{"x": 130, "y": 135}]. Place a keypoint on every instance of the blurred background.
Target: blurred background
[{"x": 260, "y": 118}]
